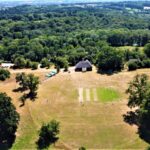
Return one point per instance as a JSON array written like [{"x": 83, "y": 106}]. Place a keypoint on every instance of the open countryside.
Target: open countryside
[
  {"x": 75, "y": 76},
  {"x": 94, "y": 124}
]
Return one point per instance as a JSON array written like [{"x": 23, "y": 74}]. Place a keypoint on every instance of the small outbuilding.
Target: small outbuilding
[
  {"x": 6, "y": 65},
  {"x": 83, "y": 66}
]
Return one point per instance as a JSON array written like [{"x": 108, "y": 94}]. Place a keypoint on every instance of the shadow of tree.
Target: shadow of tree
[
  {"x": 131, "y": 118},
  {"x": 43, "y": 144},
  {"x": 19, "y": 89},
  {"x": 109, "y": 72},
  {"x": 24, "y": 97}
]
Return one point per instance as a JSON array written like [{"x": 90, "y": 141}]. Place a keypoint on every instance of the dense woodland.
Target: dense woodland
[{"x": 66, "y": 34}]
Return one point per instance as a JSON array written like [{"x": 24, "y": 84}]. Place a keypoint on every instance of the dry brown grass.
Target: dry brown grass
[{"x": 93, "y": 125}]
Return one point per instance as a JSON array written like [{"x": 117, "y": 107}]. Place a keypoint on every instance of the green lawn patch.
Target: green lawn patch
[
  {"x": 107, "y": 94},
  {"x": 131, "y": 48}
]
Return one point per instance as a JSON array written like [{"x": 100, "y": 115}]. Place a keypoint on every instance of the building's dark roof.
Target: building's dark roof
[{"x": 84, "y": 64}]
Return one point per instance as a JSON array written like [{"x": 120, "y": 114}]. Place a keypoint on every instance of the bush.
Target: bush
[
  {"x": 137, "y": 64},
  {"x": 134, "y": 54},
  {"x": 20, "y": 62},
  {"x": 146, "y": 63},
  {"x": 4, "y": 74},
  {"x": 82, "y": 148},
  {"x": 34, "y": 65},
  {"x": 66, "y": 68},
  {"x": 45, "y": 63},
  {"x": 132, "y": 66},
  {"x": 28, "y": 64},
  {"x": 62, "y": 62}
]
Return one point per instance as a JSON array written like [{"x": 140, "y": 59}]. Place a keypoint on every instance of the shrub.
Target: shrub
[
  {"x": 132, "y": 65},
  {"x": 134, "y": 54},
  {"x": 34, "y": 65},
  {"x": 82, "y": 148},
  {"x": 66, "y": 68},
  {"x": 146, "y": 63},
  {"x": 140, "y": 64},
  {"x": 45, "y": 63},
  {"x": 61, "y": 62},
  {"x": 4, "y": 74},
  {"x": 28, "y": 63},
  {"x": 20, "y": 62}
]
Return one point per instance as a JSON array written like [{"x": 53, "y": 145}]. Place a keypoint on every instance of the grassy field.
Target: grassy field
[
  {"x": 107, "y": 94},
  {"x": 102, "y": 94},
  {"x": 95, "y": 125},
  {"x": 130, "y": 48}
]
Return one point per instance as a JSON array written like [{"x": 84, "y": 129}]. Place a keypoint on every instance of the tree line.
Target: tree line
[{"x": 31, "y": 35}]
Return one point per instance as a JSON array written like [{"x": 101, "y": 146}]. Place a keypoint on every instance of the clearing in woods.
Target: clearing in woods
[{"x": 94, "y": 125}]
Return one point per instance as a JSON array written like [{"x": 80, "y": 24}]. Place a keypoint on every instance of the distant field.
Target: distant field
[
  {"x": 94, "y": 125},
  {"x": 129, "y": 48}
]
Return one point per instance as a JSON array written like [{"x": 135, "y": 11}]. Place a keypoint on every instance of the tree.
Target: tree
[
  {"x": 4, "y": 74},
  {"x": 139, "y": 98},
  {"x": 32, "y": 84},
  {"x": 61, "y": 62},
  {"x": 28, "y": 63},
  {"x": 137, "y": 90},
  {"x": 57, "y": 68},
  {"x": 109, "y": 59},
  {"x": 45, "y": 63},
  {"x": 48, "y": 134},
  {"x": 28, "y": 82},
  {"x": 9, "y": 119},
  {"x": 66, "y": 67},
  {"x": 144, "y": 119},
  {"x": 20, "y": 62},
  {"x": 146, "y": 63},
  {"x": 34, "y": 65},
  {"x": 21, "y": 78},
  {"x": 147, "y": 49},
  {"x": 132, "y": 65}
]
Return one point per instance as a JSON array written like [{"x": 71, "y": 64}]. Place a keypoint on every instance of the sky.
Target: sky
[
  {"x": 54, "y": 0},
  {"x": 16, "y": 0},
  {"x": 63, "y": 1}
]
